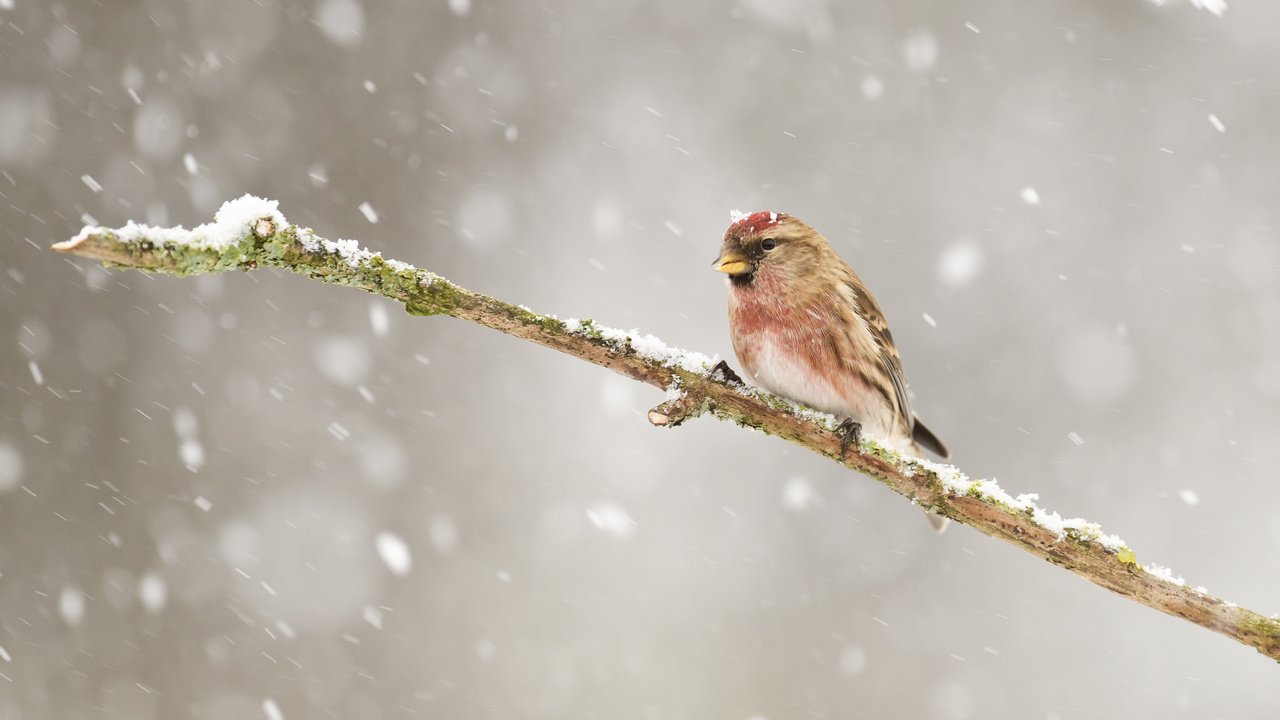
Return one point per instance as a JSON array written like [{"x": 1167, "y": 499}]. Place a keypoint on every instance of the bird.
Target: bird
[{"x": 804, "y": 326}]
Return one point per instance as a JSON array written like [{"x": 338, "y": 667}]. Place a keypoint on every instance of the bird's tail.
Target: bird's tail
[
  {"x": 938, "y": 522},
  {"x": 925, "y": 438}
]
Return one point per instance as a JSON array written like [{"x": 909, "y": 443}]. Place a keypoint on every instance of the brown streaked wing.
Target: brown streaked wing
[{"x": 890, "y": 362}]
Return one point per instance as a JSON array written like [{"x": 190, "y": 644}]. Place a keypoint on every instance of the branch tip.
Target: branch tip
[
  {"x": 658, "y": 418},
  {"x": 68, "y": 246},
  {"x": 683, "y": 406}
]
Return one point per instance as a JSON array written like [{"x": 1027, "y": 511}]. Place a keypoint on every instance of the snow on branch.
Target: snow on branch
[{"x": 250, "y": 233}]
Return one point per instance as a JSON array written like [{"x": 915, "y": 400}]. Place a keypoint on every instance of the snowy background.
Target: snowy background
[{"x": 256, "y": 496}]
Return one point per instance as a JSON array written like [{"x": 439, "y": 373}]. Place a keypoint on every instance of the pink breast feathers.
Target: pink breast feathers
[
  {"x": 784, "y": 346},
  {"x": 788, "y": 349}
]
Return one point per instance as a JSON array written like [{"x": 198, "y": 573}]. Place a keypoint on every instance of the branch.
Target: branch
[{"x": 250, "y": 233}]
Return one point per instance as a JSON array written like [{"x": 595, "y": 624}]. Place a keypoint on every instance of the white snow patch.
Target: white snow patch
[
  {"x": 1164, "y": 574},
  {"x": 798, "y": 494},
  {"x": 342, "y": 21},
  {"x": 378, "y": 319},
  {"x": 646, "y": 346},
  {"x": 958, "y": 483},
  {"x": 272, "y": 710},
  {"x": 231, "y": 224},
  {"x": 192, "y": 453},
  {"x": 960, "y": 263},
  {"x": 1217, "y": 7},
  {"x": 394, "y": 552},
  {"x": 153, "y": 592},
  {"x": 352, "y": 253},
  {"x": 920, "y": 51},
  {"x": 71, "y": 606},
  {"x": 737, "y": 215},
  {"x": 612, "y": 518}
]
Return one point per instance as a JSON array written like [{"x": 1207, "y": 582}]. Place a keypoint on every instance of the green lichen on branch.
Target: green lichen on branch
[
  {"x": 438, "y": 298},
  {"x": 1265, "y": 629}
]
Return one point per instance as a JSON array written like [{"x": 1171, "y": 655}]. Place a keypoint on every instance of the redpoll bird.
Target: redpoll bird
[{"x": 806, "y": 328}]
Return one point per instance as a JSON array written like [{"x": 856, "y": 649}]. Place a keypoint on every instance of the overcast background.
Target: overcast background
[{"x": 256, "y": 496}]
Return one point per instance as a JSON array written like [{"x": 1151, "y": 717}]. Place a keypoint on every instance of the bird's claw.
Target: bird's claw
[
  {"x": 850, "y": 432},
  {"x": 726, "y": 372}
]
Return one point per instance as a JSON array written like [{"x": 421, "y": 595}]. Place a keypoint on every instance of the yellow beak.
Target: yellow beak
[{"x": 731, "y": 263}]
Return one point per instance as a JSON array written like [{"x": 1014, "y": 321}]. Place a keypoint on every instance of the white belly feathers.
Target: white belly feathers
[{"x": 783, "y": 373}]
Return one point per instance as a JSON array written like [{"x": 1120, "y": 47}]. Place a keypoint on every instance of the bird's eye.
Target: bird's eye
[{"x": 768, "y": 244}]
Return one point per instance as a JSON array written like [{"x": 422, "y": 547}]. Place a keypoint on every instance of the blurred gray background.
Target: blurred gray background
[{"x": 256, "y": 496}]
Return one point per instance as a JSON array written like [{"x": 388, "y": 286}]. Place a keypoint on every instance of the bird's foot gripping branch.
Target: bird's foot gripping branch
[{"x": 250, "y": 232}]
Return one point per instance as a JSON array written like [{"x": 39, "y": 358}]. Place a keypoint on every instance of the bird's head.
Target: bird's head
[{"x": 769, "y": 242}]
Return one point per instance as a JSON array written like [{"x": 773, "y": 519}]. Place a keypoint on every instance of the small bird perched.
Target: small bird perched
[{"x": 805, "y": 327}]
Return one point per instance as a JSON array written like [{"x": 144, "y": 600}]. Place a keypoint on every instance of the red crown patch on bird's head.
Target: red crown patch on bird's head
[{"x": 753, "y": 224}]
